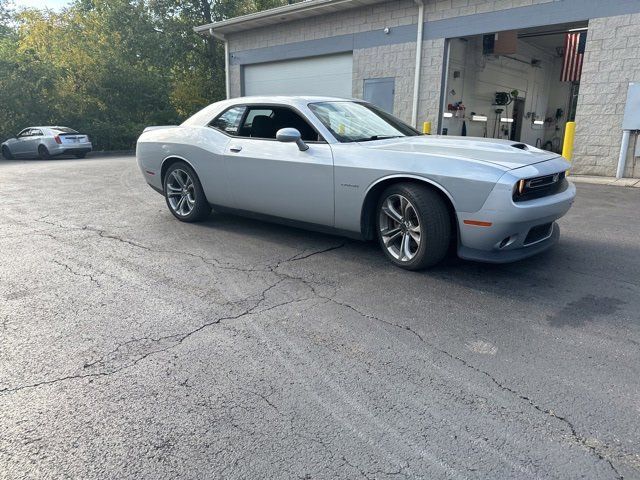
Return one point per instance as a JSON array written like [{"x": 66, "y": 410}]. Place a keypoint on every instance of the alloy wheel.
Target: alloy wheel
[
  {"x": 181, "y": 192},
  {"x": 400, "y": 227}
]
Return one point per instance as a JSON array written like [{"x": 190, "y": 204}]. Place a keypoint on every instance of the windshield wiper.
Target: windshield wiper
[{"x": 376, "y": 137}]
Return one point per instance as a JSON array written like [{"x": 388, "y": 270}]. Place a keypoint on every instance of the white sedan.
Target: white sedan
[{"x": 347, "y": 167}]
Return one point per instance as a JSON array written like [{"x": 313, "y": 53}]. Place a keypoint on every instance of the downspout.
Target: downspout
[
  {"x": 227, "y": 75},
  {"x": 417, "y": 76},
  {"x": 624, "y": 148}
]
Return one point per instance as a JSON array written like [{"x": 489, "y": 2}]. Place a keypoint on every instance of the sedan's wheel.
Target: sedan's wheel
[
  {"x": 6, "y": 153},
  {"x": 184, "y": 194},
  {"x": 414, "y": 227},
  {"x": 43, "y": 153}
]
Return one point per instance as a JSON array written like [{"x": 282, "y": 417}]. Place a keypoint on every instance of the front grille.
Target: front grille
[
  {"x": 538, "y": 233},
  {"x": 539, "y": 187}
]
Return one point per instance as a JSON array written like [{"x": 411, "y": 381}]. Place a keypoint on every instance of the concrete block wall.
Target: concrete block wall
[
  {"x": 391, "y": 13},
  {"x": 612, "y": 60},
  {"x": 441, "y": 9},
  {"x": 396, "y": 61},
  {"x": 430, "y": 81}
]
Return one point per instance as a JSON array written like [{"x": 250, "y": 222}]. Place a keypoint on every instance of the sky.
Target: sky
[{"x": 52, "y": 4}]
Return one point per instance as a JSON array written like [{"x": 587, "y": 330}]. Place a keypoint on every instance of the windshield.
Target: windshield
[
  {"x": 359, "y": 122},
  {"x": 64, "y": 130}
]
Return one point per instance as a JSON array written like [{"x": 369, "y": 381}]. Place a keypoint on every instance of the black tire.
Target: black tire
[
  {"x": 6, "y": 153},
  {"x": 80, "y": 155},
  {"x": 43, "y": 153},
  {"x": 426, "y": 215},
  {"x": 200, "y": 209}
]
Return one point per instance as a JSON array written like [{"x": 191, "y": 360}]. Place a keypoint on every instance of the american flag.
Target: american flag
[{"x": 574, "y": 44}]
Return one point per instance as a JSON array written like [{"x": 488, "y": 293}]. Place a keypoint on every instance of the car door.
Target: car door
[
  {"x": 275, "y": 178},
  {"x": 35, "y": 138},
  {"x": 21, "y": 144}
]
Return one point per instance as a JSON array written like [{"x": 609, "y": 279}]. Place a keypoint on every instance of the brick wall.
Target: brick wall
[{"x": 612, "y": 60}]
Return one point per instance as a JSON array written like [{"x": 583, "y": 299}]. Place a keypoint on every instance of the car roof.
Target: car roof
[
  {"x": 288, "y": 99},
  {"x": 47, "y": 126}
]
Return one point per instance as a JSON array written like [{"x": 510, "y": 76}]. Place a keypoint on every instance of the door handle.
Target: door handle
[{"x": 235, "y": 148}]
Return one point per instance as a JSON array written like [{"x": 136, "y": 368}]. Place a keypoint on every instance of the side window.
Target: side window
[
  {"x": 229, "y": 121},
  {"x": 264, "y": 122},
  {"x": 25, "y": 133},
  {"x": 36, "y": 133}
]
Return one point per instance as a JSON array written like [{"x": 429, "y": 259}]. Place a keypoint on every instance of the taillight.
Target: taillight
[{"x": 57, "y": 139}]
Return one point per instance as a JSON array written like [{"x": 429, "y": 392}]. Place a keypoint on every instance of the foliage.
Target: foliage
[{"x": 111, "y": 67}]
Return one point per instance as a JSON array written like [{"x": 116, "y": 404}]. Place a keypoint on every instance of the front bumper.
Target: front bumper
[{"x": 518, "y": 229}]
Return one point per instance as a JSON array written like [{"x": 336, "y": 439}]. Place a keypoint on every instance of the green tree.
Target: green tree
[{"x": 112, "y": 67}]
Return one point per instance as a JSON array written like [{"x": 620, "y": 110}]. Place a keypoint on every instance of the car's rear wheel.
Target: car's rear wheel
[
  {"x": 43, "y": 153},
  {"x": 184, "y": 194},
  {"x": 6, "y": 153},
  {"x": 413, "y": 226}
]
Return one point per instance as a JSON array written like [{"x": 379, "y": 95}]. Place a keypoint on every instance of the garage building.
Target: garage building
[{"x": 512, "y": 69}]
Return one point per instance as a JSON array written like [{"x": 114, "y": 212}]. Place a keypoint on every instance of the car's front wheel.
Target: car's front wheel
[
  {"x": 43, "y": 153},
  {"x": 184, "y": 194},
  {"x": 6, "y": 153},
  {"x": 413, "y": 226}
]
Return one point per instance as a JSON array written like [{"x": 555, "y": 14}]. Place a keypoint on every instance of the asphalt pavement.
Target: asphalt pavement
[{"x": 133, "y": 346}]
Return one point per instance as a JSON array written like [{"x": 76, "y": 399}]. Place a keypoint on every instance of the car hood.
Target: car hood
[{"x": 504, "y": 153}]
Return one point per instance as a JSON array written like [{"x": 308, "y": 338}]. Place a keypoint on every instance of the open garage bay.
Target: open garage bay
[{"x": 136, "y": 346}]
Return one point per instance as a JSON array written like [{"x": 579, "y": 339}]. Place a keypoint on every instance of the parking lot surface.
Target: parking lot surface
[{"x": 135, "y": 346}]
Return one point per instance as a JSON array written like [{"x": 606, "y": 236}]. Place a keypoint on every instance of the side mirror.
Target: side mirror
[{"x": 289, "y": 135}]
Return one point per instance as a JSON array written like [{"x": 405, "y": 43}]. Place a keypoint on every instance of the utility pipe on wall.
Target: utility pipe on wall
[
  {"x": 624, "y": 148},
  {"x": 227, "y": 76},
  {"x": 416, "y": 78}
]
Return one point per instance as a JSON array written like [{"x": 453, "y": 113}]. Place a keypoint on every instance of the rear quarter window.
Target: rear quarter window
[{"x": 229, "y": 120}]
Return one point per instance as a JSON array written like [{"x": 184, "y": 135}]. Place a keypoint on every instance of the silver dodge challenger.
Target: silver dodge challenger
[{"x": 347, "y": 167}]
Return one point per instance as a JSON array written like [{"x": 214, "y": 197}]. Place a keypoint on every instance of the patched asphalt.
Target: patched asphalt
[{"x": 135, "y": 346}]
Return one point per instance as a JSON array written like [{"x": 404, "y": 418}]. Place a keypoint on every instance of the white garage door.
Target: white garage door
[{"x": 327, "y": 75}]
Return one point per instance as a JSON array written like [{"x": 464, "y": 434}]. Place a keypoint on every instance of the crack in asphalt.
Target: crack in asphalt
[
  {"x": 371, "y": 475},
  {"x": 177, "y": 339},
  {"x": 78, "y": 274},
  {"x": 578, "y": 439}
]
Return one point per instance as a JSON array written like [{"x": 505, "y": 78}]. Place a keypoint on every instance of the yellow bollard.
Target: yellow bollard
[
  {"x": 567, "y": 146},
  {"x": 426, "y": 128}
]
